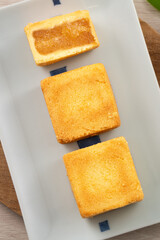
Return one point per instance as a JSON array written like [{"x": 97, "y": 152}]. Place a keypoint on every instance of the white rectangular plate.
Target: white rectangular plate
[{"x": 35, "y": 157}]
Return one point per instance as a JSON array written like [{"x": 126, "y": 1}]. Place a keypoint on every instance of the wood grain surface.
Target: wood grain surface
[
  {"x": 152, "y": 39},
  {"x": 148, "y": 13},
  {"x": 7, "y": 192},
  {"x": 11, "y": 225}
]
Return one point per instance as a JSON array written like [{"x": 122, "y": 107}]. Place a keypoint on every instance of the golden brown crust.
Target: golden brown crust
[
  {"x": 80, "y": 103},
  {"x": 103, "y": 177},
  {"x": 61, "y": 37}
]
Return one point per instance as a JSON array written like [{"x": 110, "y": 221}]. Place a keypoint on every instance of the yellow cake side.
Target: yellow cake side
[
  {"x": 54, "y": 22},
  {"x": 103, "y": 177},
  {"x": 80, "y": 103}
]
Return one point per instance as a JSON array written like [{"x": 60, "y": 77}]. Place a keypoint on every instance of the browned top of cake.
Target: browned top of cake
[
  {"x": 64, "y": 36},
  {"x": 80, "y": 103}
]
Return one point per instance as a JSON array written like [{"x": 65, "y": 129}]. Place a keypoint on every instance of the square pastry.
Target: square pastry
[
  {"x": 103, "y": 177},
  {"x": 61, "y": 37},
  {"x": 80, "y": 103}
]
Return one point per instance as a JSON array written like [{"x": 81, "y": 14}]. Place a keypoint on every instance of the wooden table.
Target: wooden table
[{"x": 12, "y": 226}]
